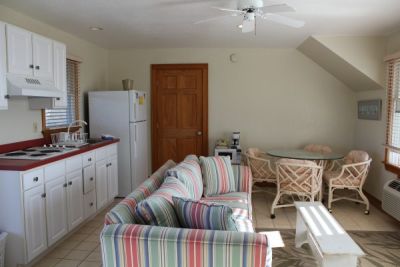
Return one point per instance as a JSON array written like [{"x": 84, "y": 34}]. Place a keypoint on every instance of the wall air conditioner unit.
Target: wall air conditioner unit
[{"x": 391, "y": 198}]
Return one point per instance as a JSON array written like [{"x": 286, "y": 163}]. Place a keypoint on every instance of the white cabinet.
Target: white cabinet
[
  {"x": 101, "y": 183},
  {"x": 3, "y": 67},
  {"x": 42, "y": 57},
  {"x": 19, "y": 51},
  {"x": 75, "y": 199},
  {"x": 89, "y": 200},
  {"x": 35, "y": 221},
  {"x": 112, "y": 176},
  {"x": 56, "y": 209},
  {"x": 60, "y": 70}
]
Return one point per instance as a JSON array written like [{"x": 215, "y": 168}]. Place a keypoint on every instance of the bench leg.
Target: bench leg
[{"x": 301, "y": 231}]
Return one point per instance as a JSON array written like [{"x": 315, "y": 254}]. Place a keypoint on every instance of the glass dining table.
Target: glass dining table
[{"x": 303, "y": 154}]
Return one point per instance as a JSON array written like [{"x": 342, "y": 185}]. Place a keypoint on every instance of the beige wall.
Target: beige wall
[
  {"x": 276, "y": 98},
  {"x": 363, "y": 52},
  {"x": 17, "y": 122},
  {"x": 370, "y": 135}
]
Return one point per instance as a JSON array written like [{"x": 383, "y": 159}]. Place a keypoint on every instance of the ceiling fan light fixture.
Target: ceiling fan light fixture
[{"x": 240, "y": 26}]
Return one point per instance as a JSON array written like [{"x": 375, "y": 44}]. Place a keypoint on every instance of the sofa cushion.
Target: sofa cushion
[
  {"x": 158, "y": 209},
  {"x": 189, "y": 173},
  {"x": 240, "y": 202},
  {"x": 123, "y": 211},
  {"x": 201, "y": 215},
  {"x": 217, "y": 175}
]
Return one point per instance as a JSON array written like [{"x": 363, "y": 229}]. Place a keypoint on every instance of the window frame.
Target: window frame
[
  {"x": 389, "y": 119},
  {"x": 48, "y": 131}
]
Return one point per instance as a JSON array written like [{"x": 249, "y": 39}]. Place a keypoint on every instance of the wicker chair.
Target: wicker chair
[
  {"x": 323, "y": 149},
  {"x": 260, "y": 166},
  {"x": 350, "y": 176},
  {"x": 296, "y": 178}
]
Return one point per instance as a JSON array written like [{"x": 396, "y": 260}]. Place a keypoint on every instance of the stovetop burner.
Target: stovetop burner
[
  {"x": 37, "y": 154},
  {"x": 13, "y": 154}
]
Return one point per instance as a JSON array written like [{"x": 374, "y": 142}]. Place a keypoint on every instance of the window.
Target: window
[
  {"x": 392, "y": 158},
  {"x": 59, "y": 118}
]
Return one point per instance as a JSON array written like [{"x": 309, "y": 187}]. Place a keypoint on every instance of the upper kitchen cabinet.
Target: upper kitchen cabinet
[
  {"x": 42, "y": 57},
  {"x": 60, "y": 70},
  {"x": 29, "y": 54},
  {"x": 3, "y": 67},
  {"x": 19, "y": 51}
]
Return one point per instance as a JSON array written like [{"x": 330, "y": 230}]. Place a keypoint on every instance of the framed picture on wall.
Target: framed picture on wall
[{"x": 370, "y": 109}]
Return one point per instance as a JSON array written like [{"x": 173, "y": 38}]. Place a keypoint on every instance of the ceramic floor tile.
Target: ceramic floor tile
[
  {"x": 78, "y": 237},
  {"x": 77, "y": 255},
  {"x": 90, "y": 264},
  {"x": 94, "y": 256},
  {"x": 47, "y": 262},
  {"x": 68, "y": 263},
  {"x": 58, "y": 253},
  {"x": 69, "y": 244},
  {"x": 93, "y": 238},
  {"x": 88, "y": 246}
]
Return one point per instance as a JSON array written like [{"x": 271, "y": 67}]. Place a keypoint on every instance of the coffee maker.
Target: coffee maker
[{"x": 235, "y": 140}]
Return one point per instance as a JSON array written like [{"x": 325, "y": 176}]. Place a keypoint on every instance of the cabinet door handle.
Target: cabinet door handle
[
  {"x": 91, "y": 179},
  {"x": 89, "y": 159},
  {"x": 110, "y": 164},
  {"x": 65, "y": 185},
  {"x": 91, "y": 204},
  {"x": 35, "y": 179},
  {"x": 43, "y": 195},
  {"x": 70, "y": 182},
  {"x": 31, "y": 66},
  {"x": 37, "y": 67}
]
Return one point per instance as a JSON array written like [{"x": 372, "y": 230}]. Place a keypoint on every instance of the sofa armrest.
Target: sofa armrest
[
  {"x": 125, "y": 245},
  {"x": 243, "y": 178}
]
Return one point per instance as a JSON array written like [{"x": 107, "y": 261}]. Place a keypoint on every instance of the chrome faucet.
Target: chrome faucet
[{"x": 73, "y": 122}]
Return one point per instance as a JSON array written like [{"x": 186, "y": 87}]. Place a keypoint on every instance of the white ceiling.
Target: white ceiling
[{"x": 170, "y": 23}]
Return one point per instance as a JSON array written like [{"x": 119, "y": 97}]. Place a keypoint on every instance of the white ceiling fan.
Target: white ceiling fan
[{"x": 253, "y": 9}]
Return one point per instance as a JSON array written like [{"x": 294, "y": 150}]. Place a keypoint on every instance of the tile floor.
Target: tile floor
[{"x": 83, "y": 247}]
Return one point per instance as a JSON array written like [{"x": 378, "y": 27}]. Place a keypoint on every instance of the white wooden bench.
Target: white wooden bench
[{"x": 330, "y": 243}]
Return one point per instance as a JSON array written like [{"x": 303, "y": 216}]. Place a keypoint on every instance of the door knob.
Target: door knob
[{"x": 199, "y": 133}]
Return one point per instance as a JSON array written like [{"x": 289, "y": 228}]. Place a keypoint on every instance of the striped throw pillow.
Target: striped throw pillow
[
  {"x": 189, "y": 173},
  {"x": 200, "y": 215},
  {"x": 157, "y": 209},
  {"x": 218, "y": 177}
]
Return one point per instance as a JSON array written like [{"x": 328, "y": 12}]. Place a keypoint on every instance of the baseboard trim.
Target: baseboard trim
[{"x": 378, "y": 204}]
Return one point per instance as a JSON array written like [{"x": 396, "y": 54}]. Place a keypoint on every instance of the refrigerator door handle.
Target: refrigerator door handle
[
  {"x": 135, "y": 145},
  {"x": 134, "y": 113}
]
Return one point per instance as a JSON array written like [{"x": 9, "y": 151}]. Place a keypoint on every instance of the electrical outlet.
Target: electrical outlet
[{"x": 35, "y": 127}]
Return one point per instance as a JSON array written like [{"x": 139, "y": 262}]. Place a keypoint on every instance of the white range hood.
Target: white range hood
[{"x": 31, "y": 87}]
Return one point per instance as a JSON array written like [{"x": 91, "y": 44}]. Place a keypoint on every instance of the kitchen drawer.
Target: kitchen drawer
[
  {"x": 89, "y": 181},
  {"x": 112, "y": 150},
  {"x": 54, "y": 170},
  {"x": 88, "y": 158},
  {"x": 101, "y": 153},
  {"x": 89, "y": 201},
  {"x": 32, "y": 179},
  {"x": 74, "y": 163}
]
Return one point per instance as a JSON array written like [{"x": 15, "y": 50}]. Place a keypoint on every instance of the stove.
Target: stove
[{"x": 37, "y": 153}]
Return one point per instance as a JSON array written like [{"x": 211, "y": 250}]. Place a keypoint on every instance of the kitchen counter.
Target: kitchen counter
[{"x": 23, "y": 165}]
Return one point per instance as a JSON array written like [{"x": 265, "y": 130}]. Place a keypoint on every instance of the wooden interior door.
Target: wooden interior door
[{"x": 179, "y": 112}]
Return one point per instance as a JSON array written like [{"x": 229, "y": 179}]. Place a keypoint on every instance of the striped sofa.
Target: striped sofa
[{"x": 125, "y": 243}]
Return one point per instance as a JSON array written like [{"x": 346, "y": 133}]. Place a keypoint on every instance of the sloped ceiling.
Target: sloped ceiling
[{"x": 357, "y": 63}]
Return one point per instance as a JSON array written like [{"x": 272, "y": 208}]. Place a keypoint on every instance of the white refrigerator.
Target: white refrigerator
[{"x": 123, "y": 114}]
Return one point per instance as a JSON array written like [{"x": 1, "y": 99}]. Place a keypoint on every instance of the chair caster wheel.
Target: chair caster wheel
[
  {"x": 330, "y": 210},
  {"x": 366, "y": 212},
  {"x": 272, "y": 216}
]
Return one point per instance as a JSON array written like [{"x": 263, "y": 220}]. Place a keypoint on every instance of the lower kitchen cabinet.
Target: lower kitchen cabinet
[
  {"x": 35, "y": 221},
  {"x": 101, "y": 183},
  {"x": 56, "y": 209},
  {"x": 42, "y": 205},
  {"x": 75, "y": 199},
  {"x": 112, "y": 178}
]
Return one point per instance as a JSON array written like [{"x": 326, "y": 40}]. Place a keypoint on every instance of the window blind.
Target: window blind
[
  {"x": 56, "y": 118},
  {"x": 393, "y": 113}
]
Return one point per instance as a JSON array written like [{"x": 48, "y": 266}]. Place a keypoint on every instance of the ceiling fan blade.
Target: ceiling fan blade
[
  {"x": 278, "y": 8},
  {"x": 248, "y": 26},
  {"x": 213, "y": 18},
  {"x": 284, "y": 20},
  {"x": 229, "y": 10}
]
